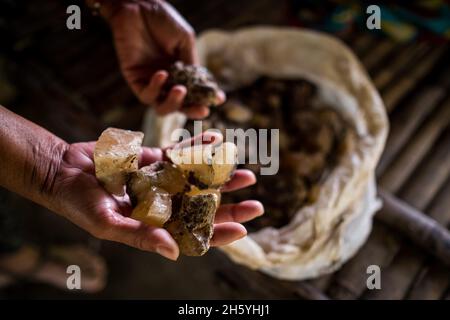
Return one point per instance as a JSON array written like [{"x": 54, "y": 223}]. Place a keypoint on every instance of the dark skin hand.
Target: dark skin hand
[
  {"x": 149, "y": 35},
  {"x": 61, "y": 177}
]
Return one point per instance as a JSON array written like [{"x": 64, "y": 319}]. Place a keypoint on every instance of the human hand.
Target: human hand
[
  {"x": 79, "y": 197},
  {"x": 149, "y": 36}
]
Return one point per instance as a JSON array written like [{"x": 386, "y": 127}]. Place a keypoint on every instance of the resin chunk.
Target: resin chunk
[
  {"x": 182, "y": 196},
  {"x": 199, "y": 82},
  {"x": 192, "y": 220},
  {"x": 154, "y": 207},
  {"x": 206, "y": 166},
  {"x": 115, "y": 156},
  {"x": 161, "y": 174}
]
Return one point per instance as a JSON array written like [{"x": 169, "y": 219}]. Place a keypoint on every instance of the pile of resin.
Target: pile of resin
[
  {"x": 312, "y": 138},
  {"x": 181, "y": 196}
]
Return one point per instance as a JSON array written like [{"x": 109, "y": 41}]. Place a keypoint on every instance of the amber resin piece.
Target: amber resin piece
[
  {"x": 199, "y": 82},
  {"x": 161, "y": 193},
  {"x": 154, "y": 207},
  {"x": 206, "y": 166},
  {"x": 115, "y": 156},
  {"x": 192, "y": 220},
  {"x": 161, "y": 174}
]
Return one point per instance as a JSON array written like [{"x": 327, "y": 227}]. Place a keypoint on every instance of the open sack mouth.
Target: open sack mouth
[{"x": 312, "y": 138}]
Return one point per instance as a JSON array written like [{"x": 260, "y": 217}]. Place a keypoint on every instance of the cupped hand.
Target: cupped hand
[
  {"x": 80, "y": 198},
  {"x": 149, "y": 36}
]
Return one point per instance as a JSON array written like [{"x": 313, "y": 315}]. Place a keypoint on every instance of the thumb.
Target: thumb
[
  {"x": 188, "y": 54},
  {"x": 187, "y": 49},
  {"x": 141, "y": 236}
]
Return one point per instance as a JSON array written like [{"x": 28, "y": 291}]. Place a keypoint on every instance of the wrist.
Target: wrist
[
  {"x": 30, "y": 157},
  {"x": 47, "y": 159}
]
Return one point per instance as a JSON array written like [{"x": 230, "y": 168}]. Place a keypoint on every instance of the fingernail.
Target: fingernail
[
  {"x": 260, "y": 207},
  {"x": 220, "y": 98},
  {"x": 167, "y": 252},
  {"x": 180, "y": 89}
]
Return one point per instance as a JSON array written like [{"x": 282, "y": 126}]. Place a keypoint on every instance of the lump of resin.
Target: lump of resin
[
  {"x": 161, "y": 174},
  {"x": 115, "y": 156},
  {"x": 192, "y": 220},
  {"x": 199, "y": 82},
  {"x": 206, "y": 166},
  {"x": 154, "y": 207},
  {"x": 165, "y": 194}
]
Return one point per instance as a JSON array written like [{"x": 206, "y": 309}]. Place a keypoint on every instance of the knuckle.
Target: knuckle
[
  {"x": 105, "y": 228},
  {"x": 190, "y": 35},
  {"x": 140, "y": 243}
]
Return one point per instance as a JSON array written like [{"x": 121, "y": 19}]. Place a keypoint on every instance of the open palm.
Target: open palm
[{"x": 81, "y": 199}]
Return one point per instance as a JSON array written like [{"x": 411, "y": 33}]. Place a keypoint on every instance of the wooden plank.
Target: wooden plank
[
  {"x": 432, "y": 173},
  {"x": 322, "y": 283},
  {"x": 362, "y": 43},
  {"x": 401, "y": 168},
  {"x": 382, "y": 49},
  {"x": 428, "y": 234},
  {"x": 398, "y": 90},
  {"x": 431, "y": 283},
  {"x": 406, "y": 120},
  {"x": 396, "y": 277},
  {"x": 435, "y": 277},
  {"x": 424, "y": 231},
  {"x": 255, "y": 284},
  {"x": 350, "y": 281},
  {"x": 394, "y": 69},
  {"x": 383, "y": 244}
]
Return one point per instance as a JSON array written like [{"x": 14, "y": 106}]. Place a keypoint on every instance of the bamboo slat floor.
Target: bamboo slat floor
[
  {"x": 76, "y": 73},
  {"x": 416, "y": 167}
]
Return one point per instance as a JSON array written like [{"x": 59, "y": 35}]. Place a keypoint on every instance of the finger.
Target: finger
[
  {"x": 84, "y": 156},
  {"x": 188, "y": 55},
  {"x": 220, "y": 98},
  {"x": 124, "y": 205},
  {"x": 87, "y": 148},
  {"x": 239, "y": 212},
  {"x": 173, "y": 102},
  {"x": 141, "y": 236},
  {"x": 150, "y": 93},
  {"x": 207, "y": 137},
  {"x": 200, "y": 112},
  {"x": 242, "y": 178},
  {"x": 196, "y": 112},
  {"x": 187, "y": 51},
  {"x": 150, "y": 155},
  {"x": 227, "y": 232}
]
